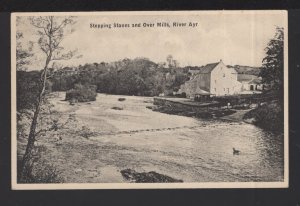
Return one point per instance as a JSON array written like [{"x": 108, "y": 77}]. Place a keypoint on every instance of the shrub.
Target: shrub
[
  {"x": 86, "y": 132},
  {"x": 268, "y": 116},
  {"x": 27, "y": 89},
  {"x": 46, "y": 173},
  {"x": 122, "y": 99},
  {"x": 40, "y": 170},
  {"x": 82, "y": 93}
]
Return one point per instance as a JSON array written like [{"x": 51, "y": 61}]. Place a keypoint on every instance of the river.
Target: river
[{"x": 181, "y": 147}]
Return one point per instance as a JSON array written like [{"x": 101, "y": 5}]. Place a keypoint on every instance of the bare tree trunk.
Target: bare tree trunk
[
  {"x": 28, "y": 156},
  {"x": 51, "y": 35}
]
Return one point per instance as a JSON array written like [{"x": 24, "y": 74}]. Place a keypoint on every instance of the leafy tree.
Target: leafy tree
[
  {"x": 172, "y": 63},
  {"x": 27, "y": 89},
  {"x": 23, "y": 51},
  {"x": 22, "y": 54},
  {"x": 82, "y": 93},
  {"x": 51, "y": 32},
  {"x": 273, "y": 63},
  {"x": 138, "y": 76}
]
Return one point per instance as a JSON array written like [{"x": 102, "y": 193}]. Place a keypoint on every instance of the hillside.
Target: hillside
[{"x": 246, "y": 69}]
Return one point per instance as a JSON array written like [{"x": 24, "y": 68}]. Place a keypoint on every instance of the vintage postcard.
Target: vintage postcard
[{"x": 156, "y": 99}]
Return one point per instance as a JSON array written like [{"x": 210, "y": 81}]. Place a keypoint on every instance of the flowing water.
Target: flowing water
[
  {"x": 181, "y": 147},
  {"x": 204, "y": 153}
]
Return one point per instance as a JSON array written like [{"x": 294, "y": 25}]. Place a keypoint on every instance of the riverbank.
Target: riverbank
[
  {"x": 268, "y": 116},
  {"x": 238, "y": 116},
  {"x": 186, "y": 107}
]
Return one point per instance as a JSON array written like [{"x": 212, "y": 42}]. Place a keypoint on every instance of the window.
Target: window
[
  {"x": 224, "y": 75},
  {"x": 215, "y": 81},
  {"x": 224, "y": 89},
  {"x": 215, "y": 89}
]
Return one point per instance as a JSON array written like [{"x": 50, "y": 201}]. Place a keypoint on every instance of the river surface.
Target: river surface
[{"x": 181, "y": 147}]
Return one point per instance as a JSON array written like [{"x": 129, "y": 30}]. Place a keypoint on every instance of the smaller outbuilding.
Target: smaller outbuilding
[{"x": 250, "y": 83}]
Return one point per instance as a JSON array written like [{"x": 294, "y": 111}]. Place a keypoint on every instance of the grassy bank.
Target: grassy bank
[{"x": 268, "y": 116}]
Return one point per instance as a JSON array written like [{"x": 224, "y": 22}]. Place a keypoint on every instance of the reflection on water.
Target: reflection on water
[
  {"x": 204, "y": 153},
  {"x": 261, "y": 157}
]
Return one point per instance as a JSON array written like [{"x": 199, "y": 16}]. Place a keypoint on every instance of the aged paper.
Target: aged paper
[{"x": 157, "y": 99}]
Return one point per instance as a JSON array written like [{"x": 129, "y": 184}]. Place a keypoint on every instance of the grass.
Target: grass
[{"x": 40, "y": 171}]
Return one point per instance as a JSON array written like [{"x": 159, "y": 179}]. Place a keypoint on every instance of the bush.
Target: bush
[
  {"x": 122, "y": 99},
  {"x": 86, "y": 132},
  {"x": 40, "y": 170},
  {"x": 46, "y": 173},
  {"x": 27, "y": 89},
  {"x": 268, "y": 116},
  {"x": 82, "y": 93}
]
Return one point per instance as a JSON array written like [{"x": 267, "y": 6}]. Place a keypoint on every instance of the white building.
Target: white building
[
  {"x": 215, "y": 79},
  {"x": 250, "y": 83}
]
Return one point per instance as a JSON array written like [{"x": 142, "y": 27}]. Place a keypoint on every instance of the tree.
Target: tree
[
  {"x": 22, "y": 54},
  {"x": 170, "y": 61},
  {"x": 51, "y": 32},
  {"x": 23, "y": 49},
  {"x": 273, "y": 63}
]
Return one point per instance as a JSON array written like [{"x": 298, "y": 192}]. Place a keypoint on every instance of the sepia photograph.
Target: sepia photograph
[{"x": 156, "y": 99}]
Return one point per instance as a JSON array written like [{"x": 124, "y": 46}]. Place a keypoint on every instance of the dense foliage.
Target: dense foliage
[
  {"x": 273, "y": 65},
  {"x": 268, "y": 116},
  {"x": 82, "y": 93},
  {"x": 27, "y": 89},
  {"x": 139, "y": 76}
]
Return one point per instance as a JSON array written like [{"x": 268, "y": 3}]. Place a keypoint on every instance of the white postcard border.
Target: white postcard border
[{"x": 204, "y": 185}]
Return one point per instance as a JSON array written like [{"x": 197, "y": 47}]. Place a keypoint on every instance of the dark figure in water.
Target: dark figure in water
[{"x": 235, "y": 151}]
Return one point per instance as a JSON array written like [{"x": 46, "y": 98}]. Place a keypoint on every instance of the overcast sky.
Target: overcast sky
[{"x": 238, "y": 38}]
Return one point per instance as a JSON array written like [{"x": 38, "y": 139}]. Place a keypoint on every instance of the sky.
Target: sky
[{"x": 238, "y": 38}]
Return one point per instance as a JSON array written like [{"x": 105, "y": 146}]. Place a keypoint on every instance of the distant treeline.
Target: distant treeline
[{"x": 139, "y": 76}]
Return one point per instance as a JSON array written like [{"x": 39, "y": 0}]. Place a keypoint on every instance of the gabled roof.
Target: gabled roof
[
  {"x": 255, "y": 81},
  {"x": 252, "y": 79},
  {"x": 208, "y": 68},
  {"x": 201, "y": 91},
  {"x": 245, "y": 77}
]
